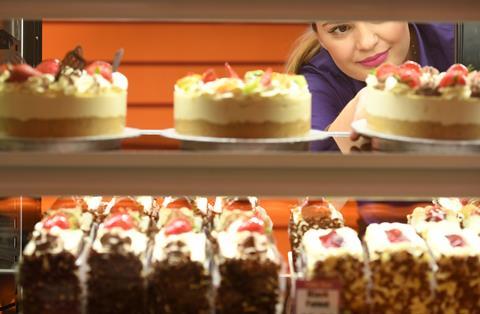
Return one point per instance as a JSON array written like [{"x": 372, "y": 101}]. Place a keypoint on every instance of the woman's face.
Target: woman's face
[{"x": 358, "y": 47}]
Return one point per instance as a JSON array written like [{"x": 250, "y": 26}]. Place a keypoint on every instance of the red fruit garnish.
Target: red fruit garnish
[
  {"x": 125, "y": 205},
  {"x": 51, "y": 66},
  {"x": 179, "y": 203},
  {"x": 458, "y": 67},
  {"x": 254, "y": 224},
  {"x": 411, "y": 65},
  {"x": 57, "y": 220},
  {"x": 453, "y": 78},
  {"x": 209, "y": 76},
  {"x": 231, "y": 71},
  {"x": 242, "y": 204},
  {"x": 385, "y": 70},
  {"x": 178, "y": 226},
  {"x": 119, "y": 220},
  {"x": 100, "y": 67},
  {"x": 409, "y": 77},
  {"x": 69, "y": 202},
  {"x": 332, "y": 240},
  {"x": 21, "y": 72},
  {"x": 435, "y": 214},
  {"x": 267, "y": 77},
  {"x": 456, "y": 240},
  {"x": 395, "y": 236},
  {"x": 316, "y": 209}
]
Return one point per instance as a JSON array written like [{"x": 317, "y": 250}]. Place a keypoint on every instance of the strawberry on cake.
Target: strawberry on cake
[
  {"x": 410, "y": 100},
  {"x": 262, "y": 104},
  {"x": 65, "y": 98}
]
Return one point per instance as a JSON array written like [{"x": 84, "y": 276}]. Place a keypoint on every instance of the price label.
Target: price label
[{"x": 317, "y": 297}]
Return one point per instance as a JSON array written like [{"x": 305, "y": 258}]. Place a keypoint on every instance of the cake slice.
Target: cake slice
[
  {"x": 337, "y": 254},
  {"x": 248, "y": 265},
  {"x": 49, "y": 269},
  {"x": 116, "y": 261},
  {"x": 311, "y": 214},
  {"x": 457, "y": 254},
  {"x": 401, "y": 269},
  {"x": 434, "y": 216},
  {"x": 179, "y": 279}
]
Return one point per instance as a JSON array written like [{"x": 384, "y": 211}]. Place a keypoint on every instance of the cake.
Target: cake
[
  {"x": 409, "y": 100},
  {"x": 311, "y": 213},
  {"x": 401, "y": 269},
  {"x": 337, "y": 254},
  {"x": 457, "y": 255},
  {"x": 248, "y": 266},
  {"x": 180, "y": 279},
  {"x": 116, "y": 265},
  {"x": 262, "y": 104},
  {"x": 49, "y": 269},
  {"x": 434, "y": 216},
  {"x": 65, "y": 98}
]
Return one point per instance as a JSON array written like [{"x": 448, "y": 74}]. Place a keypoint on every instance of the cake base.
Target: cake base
[
  {"x": 48, "y": 128},
  {"x": 424, "y": 129},
  {"x": 243, "y": 130}
]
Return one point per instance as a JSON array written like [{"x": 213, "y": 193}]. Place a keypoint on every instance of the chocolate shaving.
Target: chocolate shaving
[{"x": 117, "y": 59}]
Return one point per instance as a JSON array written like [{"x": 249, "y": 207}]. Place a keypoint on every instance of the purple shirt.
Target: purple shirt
[{"x": 332, "y": 89}]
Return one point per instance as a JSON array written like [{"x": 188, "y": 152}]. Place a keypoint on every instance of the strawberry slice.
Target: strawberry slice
[
  {"x": 435, "y": 214},
  {"x": 58, "y": 220},
  {"x": 456, "y": 240},
  {"x": 119, "y": 220},
  {"x": 254, "y": 224},
  {"x": 385, "y": 70},
  {"x": 125, "y": 205},
  {"x": 179, "y": 203},
  {"x": 332, "y": 240},
  {"x": 396, "y": 235},
  {"x": 209, "y": 76},
  {"x": 100, "y": 67},
  {"x": 409, "y": 77},
  {"x": 458, "y": 67},
  {"x": 231, "y": 71},
  {"x": 267, "y": 77},
  {"x": 411, "y": 65},
  {"x": 178, "y": 226},
  {"x": 241, "y": 204},
  {"x": 50, "y": 66},
  {"x": 21, "y": 72},
  {"x": 453, "y": 78}
]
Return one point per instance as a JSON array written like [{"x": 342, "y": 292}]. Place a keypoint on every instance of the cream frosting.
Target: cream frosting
[
  {"x": 138, "y": 240},
  {"x": 419, "y": 220},
  {"x": 378, "y": 242},
  {"x": 440, "y": 245},
  {"x": 418, "y": 108},
  {"x": 315, "y": 251},
  {"x": 71, "y": 240},
  {"x": 228, "y": 242},
  {"x": 196, "y": 243}
]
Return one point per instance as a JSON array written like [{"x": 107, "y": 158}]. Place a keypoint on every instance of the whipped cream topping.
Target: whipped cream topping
[
  {"x": 194, "y": 242},
  {"x": 421, "y": 218},
  {"x": 67, "y": 240},
  {"x": 315, "y": 250},
  {"x": 137, "y": 244},
  {"x": 440, "y": 245},
  {"x": 229, "y": 243},
  {"x": 378, "y": 242},
  {"x": 71, "y": 82}
]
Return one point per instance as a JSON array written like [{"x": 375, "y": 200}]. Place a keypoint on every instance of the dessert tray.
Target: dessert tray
[
  {"x": 217, "y": 143},
  {"x": 68, "y": 144},
  {"x": 394, "y": 143}
]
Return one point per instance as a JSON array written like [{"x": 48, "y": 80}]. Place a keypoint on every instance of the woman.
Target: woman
[{"x": 336, "y": 57}]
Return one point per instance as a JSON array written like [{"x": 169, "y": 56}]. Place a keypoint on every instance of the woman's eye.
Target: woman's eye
[{"x": 339, "y": 29}]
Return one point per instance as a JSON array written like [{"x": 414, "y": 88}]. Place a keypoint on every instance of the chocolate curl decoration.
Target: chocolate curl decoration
[
  {"x": 117, "y": 59},
  {"x": 73, "y": 59}
]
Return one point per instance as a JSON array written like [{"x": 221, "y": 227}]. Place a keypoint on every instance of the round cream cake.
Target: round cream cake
[
  {"x": 423, "y": 103},
  {"x": 262, "y": 104},
  {"x": 72, "y": 104}
]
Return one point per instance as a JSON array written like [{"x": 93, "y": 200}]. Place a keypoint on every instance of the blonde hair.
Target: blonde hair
[{"x": 305, "y": 47}]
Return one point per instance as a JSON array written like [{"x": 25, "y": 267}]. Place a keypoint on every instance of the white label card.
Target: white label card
[{"x": 317, "y": 297}]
